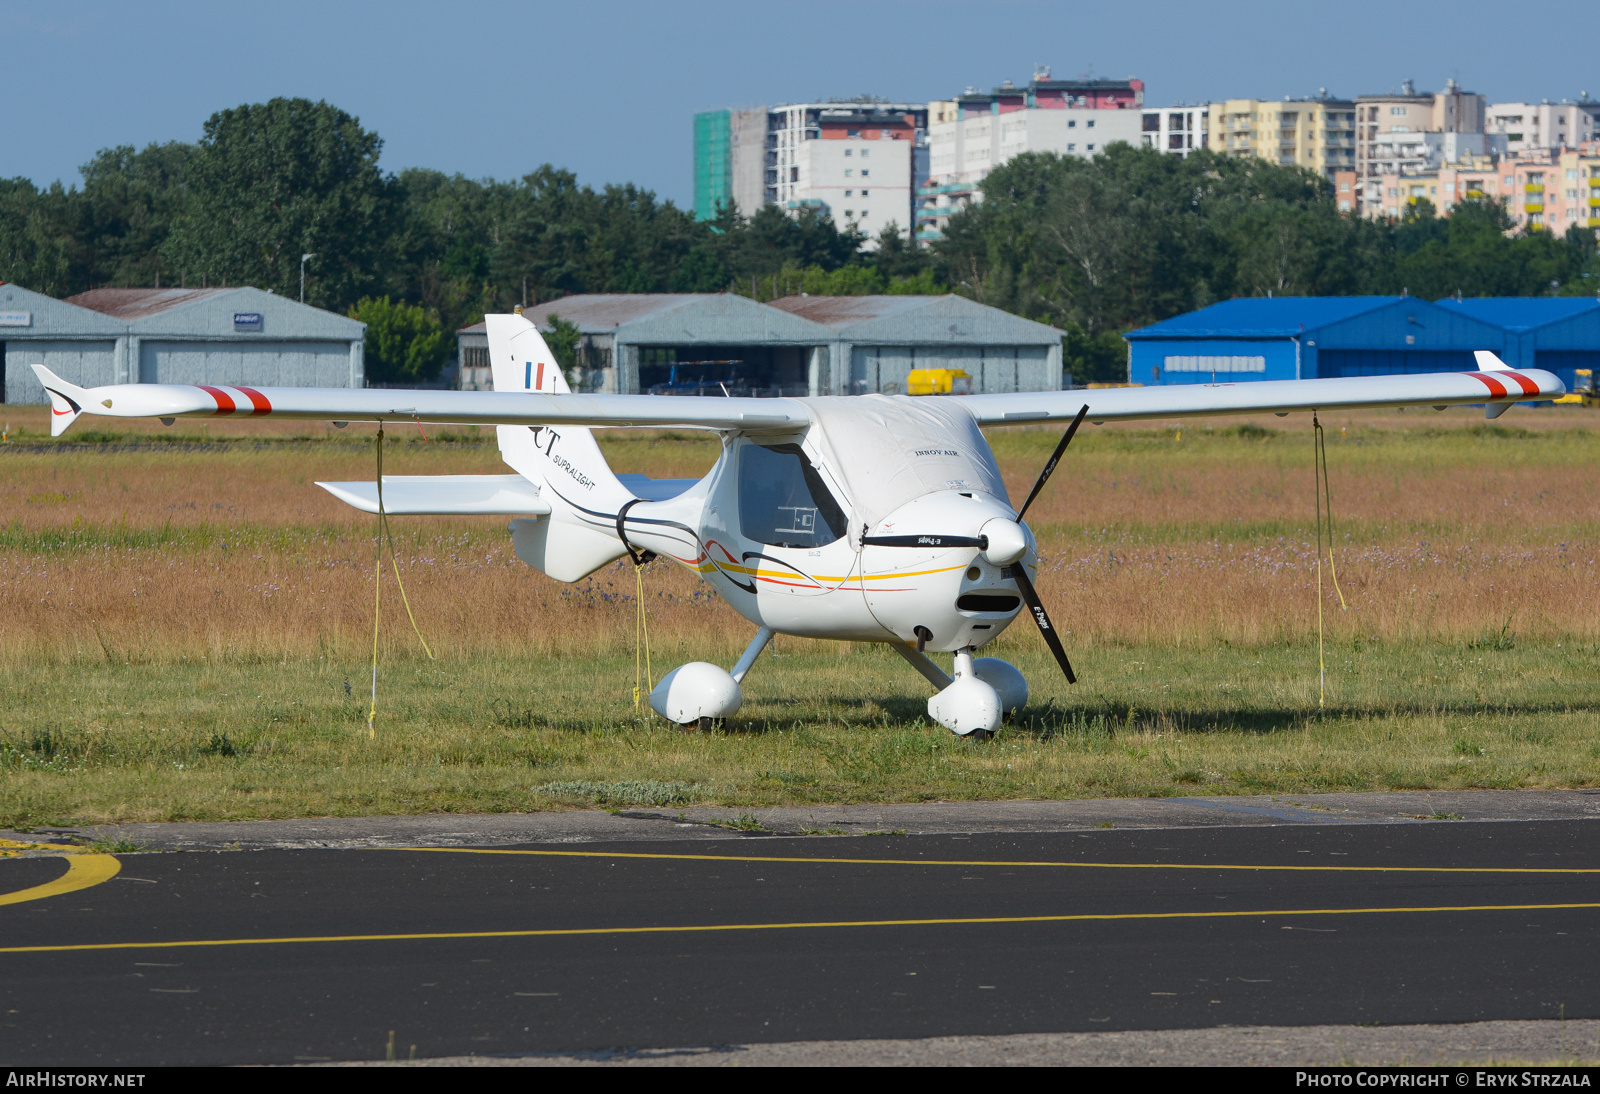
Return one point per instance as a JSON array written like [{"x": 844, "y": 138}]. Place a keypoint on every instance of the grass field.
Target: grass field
[{"x": 185, "y": 625}]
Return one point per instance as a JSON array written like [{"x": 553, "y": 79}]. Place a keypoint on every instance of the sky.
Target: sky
[{"x": 609, "y": 89}]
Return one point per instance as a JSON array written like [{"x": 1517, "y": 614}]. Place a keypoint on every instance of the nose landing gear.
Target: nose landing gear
[
  {"x": 984, "y": 692},
  {"x": 970, "y": 706}
]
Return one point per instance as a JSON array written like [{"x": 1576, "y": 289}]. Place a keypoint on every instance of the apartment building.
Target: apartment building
[
  {"x": 1539, "y": 193},
  {"x": 1557, "y": 193},
  {"x": 1534, "y": 128},
  {"x": 1316, "y": 133},
  {"x": 1392, "y": 131},
  {"x": 971, "y": 135},
  {"x": 729, "y": 161},
  {"x": 1176, "y": 130},
  {"x": 853, "y": 159},
  {"x": 1471, "y": 178},
  {"x": 1345, "y": 190}
]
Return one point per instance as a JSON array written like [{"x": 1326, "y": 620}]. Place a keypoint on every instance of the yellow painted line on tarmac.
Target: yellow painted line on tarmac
[
  {"x": 707, "y": 928},
  {"x": 991, "y": 862},
  {"x": 83, "y": 871}
]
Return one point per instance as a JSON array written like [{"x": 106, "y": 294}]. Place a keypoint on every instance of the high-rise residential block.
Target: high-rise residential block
[
  {"x": 1176, "y": 130},
  {"x": 1545, "y": 127},
  {"x": 1557, "y": 193},
  {"x": 855, "y": 160},
  {"x": 1392, "y": 134},
  {"x": 729, "y": 154},
  {"x": 852, "y": 159},
  {"x": 1317, "y": 133},
  {"x": 974, "y": 133}
]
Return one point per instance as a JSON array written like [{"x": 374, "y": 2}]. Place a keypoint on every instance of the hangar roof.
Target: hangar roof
[
  {"x": 916, "y": 320},
  {"x": 1269, "y": 317},
  {"x": 676, "y": 318},
  {"x": 597, "y": 313},
  {"x": 174, "y": 313},
  {"x": 728, "y": 318},
  {"x": 49, "y": 317},
  {"x": 1523, "y": 313},
  {"x": 138, "y": 303},
  {"x": 842, "y": 311}
]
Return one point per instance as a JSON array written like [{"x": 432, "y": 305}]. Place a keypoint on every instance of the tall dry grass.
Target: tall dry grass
[{"x": 210, "y": 541}]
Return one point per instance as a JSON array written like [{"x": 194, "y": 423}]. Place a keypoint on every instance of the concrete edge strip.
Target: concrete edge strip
[{"x": 821, "y": 859}]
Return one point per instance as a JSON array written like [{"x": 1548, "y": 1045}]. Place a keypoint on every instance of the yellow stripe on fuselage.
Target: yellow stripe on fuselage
[{"x": 716, "y": 567}]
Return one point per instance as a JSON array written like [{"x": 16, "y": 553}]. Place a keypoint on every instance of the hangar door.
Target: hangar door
[
  {"x": 992, "y": 368},
  {"x": 87, "y": 364},
  {"x": 1565, "y": 363},
  {"x": 260, "y": 364},
  {"x": 1392, "y": 362}
]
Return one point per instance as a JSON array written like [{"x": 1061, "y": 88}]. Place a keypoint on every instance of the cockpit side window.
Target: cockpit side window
[{"x": 783, "y": 501}]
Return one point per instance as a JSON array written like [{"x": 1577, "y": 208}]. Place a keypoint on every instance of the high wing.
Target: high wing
[
  {"x": 1497, "y": 386},
  {"x": 67, "y": 401}
]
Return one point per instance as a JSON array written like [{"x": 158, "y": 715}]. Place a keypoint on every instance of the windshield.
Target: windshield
[
  {"x": 783, "y": 501},
  {"x": 888, "y": 450}
]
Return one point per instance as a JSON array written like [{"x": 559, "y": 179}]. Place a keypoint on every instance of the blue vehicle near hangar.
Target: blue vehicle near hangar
[{"x": 1288, "y": 338}]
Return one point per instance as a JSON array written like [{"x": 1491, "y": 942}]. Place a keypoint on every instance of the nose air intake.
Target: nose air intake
[{"x": 986, "y": 602}]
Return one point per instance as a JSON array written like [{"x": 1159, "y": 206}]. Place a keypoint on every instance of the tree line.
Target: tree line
[{"x": 1095, "y": 247}]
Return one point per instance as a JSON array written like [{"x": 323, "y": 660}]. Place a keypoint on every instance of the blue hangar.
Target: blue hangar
[
  {"x": 1287, "y": 338},
  {"x": 1559, "y": 334}
]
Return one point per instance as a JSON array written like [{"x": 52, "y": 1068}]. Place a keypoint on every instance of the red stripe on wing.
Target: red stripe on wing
[
  {"x": 225, "y": 403},
  {"x": 1527, "y": 385},
  {"x": 1496, "y": 388},
  {"x": 257, "y": 400}
]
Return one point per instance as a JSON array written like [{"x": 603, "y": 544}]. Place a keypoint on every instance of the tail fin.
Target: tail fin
[
  {"x": 564, "y": 464},
  {"x": 66, "y": 400},
  {"x": 519, "y": 359},
  {"x": 1489, "y": 362}
]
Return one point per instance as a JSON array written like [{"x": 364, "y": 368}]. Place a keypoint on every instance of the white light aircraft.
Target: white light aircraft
[{"x": 864, "y": 519}]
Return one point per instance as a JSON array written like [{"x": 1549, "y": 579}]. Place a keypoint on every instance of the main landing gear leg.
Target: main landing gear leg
[
  {"x": 923, "y": 664},
  {"x": 751, "y": 652}
]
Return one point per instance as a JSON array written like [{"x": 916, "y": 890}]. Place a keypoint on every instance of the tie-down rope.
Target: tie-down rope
[
  {"x": 384, "y": 533},
  {"x": 1319, "y": 443}
]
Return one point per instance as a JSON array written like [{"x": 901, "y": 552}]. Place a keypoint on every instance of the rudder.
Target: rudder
[{"x": 565, "y": 463}]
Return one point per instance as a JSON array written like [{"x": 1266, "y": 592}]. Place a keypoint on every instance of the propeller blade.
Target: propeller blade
[
  {"x": 1044, "y": 476},
  {"x": 1020, "y": 573}
]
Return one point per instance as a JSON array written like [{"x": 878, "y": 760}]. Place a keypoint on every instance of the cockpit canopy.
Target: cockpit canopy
[{"x": 783, "y": 501}]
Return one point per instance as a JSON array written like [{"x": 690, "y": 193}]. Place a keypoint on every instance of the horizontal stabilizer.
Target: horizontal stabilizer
[
  {"x": 647, "y": 489},
  {"x": 444, "y": 495}
]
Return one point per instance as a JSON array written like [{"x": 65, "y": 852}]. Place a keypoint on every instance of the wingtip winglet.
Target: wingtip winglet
[{"x": 1490, "y": 362}]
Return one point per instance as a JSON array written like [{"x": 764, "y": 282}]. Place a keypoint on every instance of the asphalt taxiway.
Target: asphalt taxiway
[{"x": 570, "y": 945}]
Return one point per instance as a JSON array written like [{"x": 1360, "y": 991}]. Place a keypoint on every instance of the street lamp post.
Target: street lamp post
[{"x": 303, "y": 260}]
